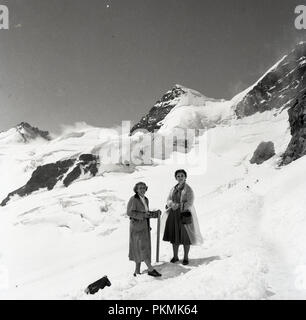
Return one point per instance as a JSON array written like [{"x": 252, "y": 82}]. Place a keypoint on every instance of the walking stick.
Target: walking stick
[{"x": 158, "y": 237}]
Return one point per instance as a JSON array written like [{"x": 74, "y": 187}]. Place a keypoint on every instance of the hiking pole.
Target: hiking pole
[{"x": 158, "y": 237}]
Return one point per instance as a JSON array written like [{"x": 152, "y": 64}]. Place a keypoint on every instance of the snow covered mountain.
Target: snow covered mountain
[
  {"x": 279, "y": 87},
  {"x": 23, "y": 133},
  {"x": 185, "y": 108},
  {"x": 56, "y": 240}
]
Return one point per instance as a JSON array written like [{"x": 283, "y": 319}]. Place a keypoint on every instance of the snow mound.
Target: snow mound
[{"x": 188, "y": 116}]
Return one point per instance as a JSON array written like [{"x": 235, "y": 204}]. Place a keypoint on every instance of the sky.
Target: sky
[{"x": 104, "y": 61}]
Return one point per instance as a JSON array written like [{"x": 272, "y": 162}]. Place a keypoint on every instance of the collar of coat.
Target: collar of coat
[
  {"x": 136, "y": 196},
  {"x": 185, "y": 189}
]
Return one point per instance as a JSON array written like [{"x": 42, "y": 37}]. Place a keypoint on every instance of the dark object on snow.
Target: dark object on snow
[
  {"x": 99, "y": 284},
  {"x": 263, "y": 152},
  {"x": 48, "y": 175},
  {"x": 297, "y": 119},
  {"x": 154, "y": 273}
]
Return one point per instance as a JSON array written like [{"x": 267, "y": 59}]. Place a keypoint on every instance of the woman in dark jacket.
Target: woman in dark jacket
[{"x": 140, "y": 238}]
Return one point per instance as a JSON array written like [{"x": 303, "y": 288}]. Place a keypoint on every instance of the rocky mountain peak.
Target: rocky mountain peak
[
  {"x": 23, "y": 133},
  {"x": 279, "y": 87},
  {"x": 170, "y": 95},
  {"x": 29, "y": 132},
  {"x": 175, "y": 97}
]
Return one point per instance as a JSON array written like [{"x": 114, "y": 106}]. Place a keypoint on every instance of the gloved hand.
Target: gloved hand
[
  {"x": 154, "y": 214},
  {"x": 175, "y": 206}
]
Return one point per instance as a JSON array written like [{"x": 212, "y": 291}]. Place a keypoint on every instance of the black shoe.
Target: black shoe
[
  {"x": 154, "y": 273},
  {"x": 185, "y": 262},
  {"x": 173, "y": 260}
]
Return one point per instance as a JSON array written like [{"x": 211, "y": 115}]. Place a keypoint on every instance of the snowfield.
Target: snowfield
[{"x": 252, "y": 217}]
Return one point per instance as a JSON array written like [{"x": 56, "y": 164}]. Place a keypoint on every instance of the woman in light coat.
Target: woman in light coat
[
  {"x": 140, "y": 238},
  {"x": 181, "y": 199}
]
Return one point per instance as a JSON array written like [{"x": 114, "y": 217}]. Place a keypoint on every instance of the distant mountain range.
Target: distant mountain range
[
  {"x": 277, "y": 89},
  {"x": 283, "y": 86}
]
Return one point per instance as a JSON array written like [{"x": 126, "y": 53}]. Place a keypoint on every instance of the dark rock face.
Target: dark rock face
[
  {"x": 87, "y": 163},
  {"x": 280, "y": 87},
  {"x": 48, "y": 175},
  {"x": 162, "y": 107},
  {"x": 263, "y": 152},
  {"x": 297, "y": 119}
]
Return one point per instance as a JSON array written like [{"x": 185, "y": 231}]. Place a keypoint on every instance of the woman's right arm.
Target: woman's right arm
[
  {"x": 133, "y": 212},
  {"x": 169, "y": 200}
]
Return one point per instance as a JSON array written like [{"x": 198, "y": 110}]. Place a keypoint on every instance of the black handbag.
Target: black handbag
[{"x": 186, "y": 217}]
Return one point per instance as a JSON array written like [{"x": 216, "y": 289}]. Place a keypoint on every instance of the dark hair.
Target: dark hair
[
  {"x": 139, "y": 184},
  {"x": 180, "y": 171}
]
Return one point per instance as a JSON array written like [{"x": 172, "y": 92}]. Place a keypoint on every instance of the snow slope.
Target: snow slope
[
  {"x": 195, "y": 111},
  {"x": 206, "y": 116},
  {"x": 54, "y": 243}
]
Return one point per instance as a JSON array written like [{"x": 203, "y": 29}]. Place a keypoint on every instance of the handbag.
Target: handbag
[{"x": 186, "y": 217}]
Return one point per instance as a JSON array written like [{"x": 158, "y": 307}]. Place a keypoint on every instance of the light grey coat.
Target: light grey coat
[{"x": 140, "y": 238}]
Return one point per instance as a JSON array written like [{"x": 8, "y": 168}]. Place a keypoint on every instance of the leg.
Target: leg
[
  {"x": 186, "y": 251},
  {"x": 137, "y": 267},
  {"x": 149, "y": 265},
  {"x": 175, "y": 250}
]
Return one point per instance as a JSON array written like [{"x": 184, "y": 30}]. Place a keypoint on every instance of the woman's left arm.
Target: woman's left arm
[{"x": 189, "y": 199}]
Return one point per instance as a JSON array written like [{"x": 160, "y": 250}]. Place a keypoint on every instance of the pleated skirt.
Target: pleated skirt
[{"x": 175, "y": 231}]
